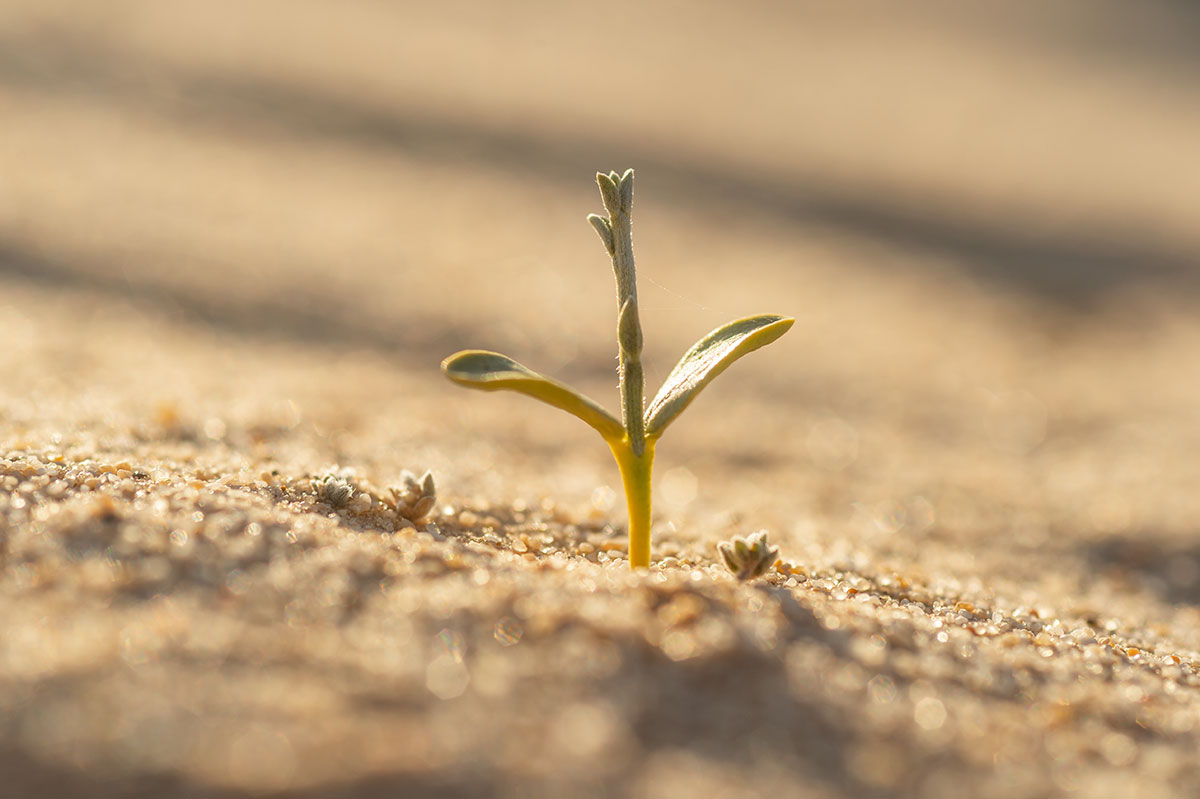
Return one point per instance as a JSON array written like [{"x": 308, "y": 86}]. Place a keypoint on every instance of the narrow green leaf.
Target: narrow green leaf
[
  {"x": 629, "y": 330},
  {"x": 708, "y": 358},
  {"x": 604, "y": 228},
  {"x": 491, "y": 371},
  {"x": 625, "y": 188},
  {"x": 609, "y": 192}
]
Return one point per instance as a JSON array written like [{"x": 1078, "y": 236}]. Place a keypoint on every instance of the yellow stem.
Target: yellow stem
[{"x": 635, "y": 476}]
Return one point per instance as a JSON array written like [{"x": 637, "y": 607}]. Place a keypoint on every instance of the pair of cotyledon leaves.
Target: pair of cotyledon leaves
[{"x": 491, "y": 371}]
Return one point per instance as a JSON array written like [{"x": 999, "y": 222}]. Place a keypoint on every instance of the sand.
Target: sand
[{"x": 235, "y": 243}]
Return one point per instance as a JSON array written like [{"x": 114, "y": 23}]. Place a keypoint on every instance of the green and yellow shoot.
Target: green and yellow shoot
[{"x": 633, "y": 437}]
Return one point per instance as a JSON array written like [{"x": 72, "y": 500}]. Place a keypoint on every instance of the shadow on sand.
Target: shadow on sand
[{"x": 1073, "y": 268}]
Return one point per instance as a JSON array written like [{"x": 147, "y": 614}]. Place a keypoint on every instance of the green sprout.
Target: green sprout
[{"x": 631, "y": 439}]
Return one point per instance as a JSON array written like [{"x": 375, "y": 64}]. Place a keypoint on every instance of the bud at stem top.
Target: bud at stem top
[{"x": 609, "y": 193}]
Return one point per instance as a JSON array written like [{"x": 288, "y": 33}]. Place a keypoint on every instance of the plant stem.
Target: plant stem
[
  {"x": 635, "y": 476},
  {"x": 632, "y": 394},
  {"x": 634, "y": 453},
  {"x": 629, "y": 326}
]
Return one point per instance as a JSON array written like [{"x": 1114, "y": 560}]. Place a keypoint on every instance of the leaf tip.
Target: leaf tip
[
  {"x": 475, "y": 367},
  {"x": 451, "y": 363}
]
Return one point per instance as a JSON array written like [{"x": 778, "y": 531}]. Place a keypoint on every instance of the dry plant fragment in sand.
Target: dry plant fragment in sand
[
  {"x": 334, "y": 488},
  {"x": 633, "y": 438},
  {"x": 748, "y": 557},
  {"x": 416, "y": 498},
  {"x": 413, "y": 499}
]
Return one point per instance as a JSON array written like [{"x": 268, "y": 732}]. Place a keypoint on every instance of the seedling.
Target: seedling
[
  {"x": 748, "y": 557},
  {"x": 632, "y": 439},
  {"x": 416, "y": 498},
  {"x": 335, "y": 488}
]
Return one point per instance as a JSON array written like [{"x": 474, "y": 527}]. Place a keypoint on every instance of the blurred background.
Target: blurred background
[
  {"x": 982, "y": 215},
  {"x": 305, "y": 168}
]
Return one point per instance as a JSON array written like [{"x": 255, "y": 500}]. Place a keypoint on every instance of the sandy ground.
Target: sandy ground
[{"x": 237, "y": 239}]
